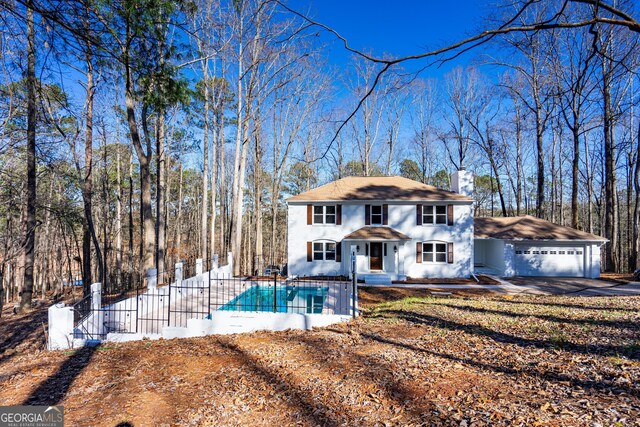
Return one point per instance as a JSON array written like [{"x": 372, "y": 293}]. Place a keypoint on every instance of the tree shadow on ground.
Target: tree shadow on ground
[
  {"x": 53, "y": 390},
  {"x": 620, "y": 324},
  {"x": 567, "y": 305},
  {"x": 314, "y": 412},
  {"x": 601, "y": 385},
  {"x": 376, "y": 370},
  {"x": 24, "y": 330},
  {"x": 586, "y": 349}
]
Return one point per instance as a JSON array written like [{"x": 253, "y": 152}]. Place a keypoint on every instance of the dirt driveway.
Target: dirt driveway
[{"x": 574, "y": 286}]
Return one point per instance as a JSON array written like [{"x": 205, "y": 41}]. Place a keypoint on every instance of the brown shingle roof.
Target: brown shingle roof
[
  {"x": 377, "y": 233},
  {"x": 526, "y": 228},
  {"x": 377, "y": 188}
]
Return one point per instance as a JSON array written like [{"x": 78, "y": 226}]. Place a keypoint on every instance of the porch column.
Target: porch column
[
  {"x": 509, "y": 260},
  {"x": 401, "y": 258}
]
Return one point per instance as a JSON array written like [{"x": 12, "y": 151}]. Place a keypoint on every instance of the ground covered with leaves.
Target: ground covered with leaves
[{"x": 413, "y": 358}]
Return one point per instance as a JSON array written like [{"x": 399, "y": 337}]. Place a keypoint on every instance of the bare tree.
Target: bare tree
[
  {"x": 29, "y": 227},
  {"x": 365, "y": 127},
  {"x": 422, "y": 115},
  {"x": 461, "y": 101},
  {"x": 574, "y": 70}
]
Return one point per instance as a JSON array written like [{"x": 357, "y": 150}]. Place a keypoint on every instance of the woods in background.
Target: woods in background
[{"x": 138, "y": 133}]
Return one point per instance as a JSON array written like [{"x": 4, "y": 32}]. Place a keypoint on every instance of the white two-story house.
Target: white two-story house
[
  {"x": 392, "y": 225},
  {"x": 399, "y": 228}
]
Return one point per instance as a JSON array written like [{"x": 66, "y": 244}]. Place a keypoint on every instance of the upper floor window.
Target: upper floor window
[
  {"x": 376, "y": 214},
  {"x": 434, "y": 214},
  {"x": 324, "y": 214},
  {"x": 434, "y": 252}
]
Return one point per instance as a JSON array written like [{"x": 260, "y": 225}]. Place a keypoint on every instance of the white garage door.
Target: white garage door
[{"x": 549, "y": 260}]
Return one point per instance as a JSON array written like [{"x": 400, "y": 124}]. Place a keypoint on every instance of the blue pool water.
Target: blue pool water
[{"x": 289, "y": 299}]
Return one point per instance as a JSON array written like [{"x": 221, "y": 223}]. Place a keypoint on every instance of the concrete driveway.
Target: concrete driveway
[{"x": 571, "y": 285}]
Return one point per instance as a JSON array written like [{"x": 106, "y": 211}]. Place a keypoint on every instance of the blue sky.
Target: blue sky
[{"x": 400, "y": 28}]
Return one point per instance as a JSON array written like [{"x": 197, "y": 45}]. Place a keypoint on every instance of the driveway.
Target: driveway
[{"x": 571, "y": 285}]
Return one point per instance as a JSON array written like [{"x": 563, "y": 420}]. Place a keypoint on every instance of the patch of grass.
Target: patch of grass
[
  {"x": 633, "y": 348},
  {"x": 559, "y": 339}
]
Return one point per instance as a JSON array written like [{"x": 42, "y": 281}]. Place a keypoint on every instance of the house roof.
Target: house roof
[
  {"x": 527, "y": 228},
  {"x": 377, "y": 233},
  {"x": 377, "y": 188}
]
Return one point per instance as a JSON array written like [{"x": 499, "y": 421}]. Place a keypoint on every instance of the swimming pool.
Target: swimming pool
[{"x": 288, "y": 299}]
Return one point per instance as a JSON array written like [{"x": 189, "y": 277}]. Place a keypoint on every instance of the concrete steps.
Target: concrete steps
[{"x": 377, "y": 279}]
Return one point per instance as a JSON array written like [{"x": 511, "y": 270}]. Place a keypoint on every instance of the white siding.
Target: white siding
[
  {"x": 489, "y": 253},
  {"x": 594, "y": 270},
  {"x": 402, "y": 217}
]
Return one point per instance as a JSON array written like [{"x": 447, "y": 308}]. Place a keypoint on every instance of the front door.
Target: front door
[{"x": 375, "y": 256}]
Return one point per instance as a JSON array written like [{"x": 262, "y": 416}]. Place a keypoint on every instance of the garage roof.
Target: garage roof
[
  {"x": 377, "y": 188},
  {"x": 377, "y": 233},
  {"x": 527, "y": 228}
]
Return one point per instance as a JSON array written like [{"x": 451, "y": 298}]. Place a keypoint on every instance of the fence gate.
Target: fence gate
[
  {"x": 152, "y": 312},
  {"x": 189, "y": 299}
]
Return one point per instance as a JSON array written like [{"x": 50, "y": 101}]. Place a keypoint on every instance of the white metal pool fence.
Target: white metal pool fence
[{"x": 208, "y": 302}]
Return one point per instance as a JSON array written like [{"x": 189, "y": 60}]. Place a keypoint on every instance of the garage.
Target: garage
[
  {"x": 529, "y": 246},
  {"x": 549, "y": 260}
]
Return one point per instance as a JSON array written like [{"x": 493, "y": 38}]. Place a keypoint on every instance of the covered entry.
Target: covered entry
[{"x": 377, "y": 250}]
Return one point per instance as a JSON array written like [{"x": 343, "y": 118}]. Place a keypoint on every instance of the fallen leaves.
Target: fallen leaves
[{"x": 459, "y": 361}]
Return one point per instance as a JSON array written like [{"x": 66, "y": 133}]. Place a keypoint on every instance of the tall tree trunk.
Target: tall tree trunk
[
  {"x": 503, "y": 205},
  {"x": 575, "y": 170},
  {"x": 554, "y": 180},
  {"x": 518, "y": 162},
  {"x": 119, "y": 197},
  {"x": 147, "y": 235},
  {"x": 178, "y": 231},
  {"x": 540, "y": 165},
  {"x": 235, "y": 221},
  {"x": 131, "y": 265},
  {"x": 30, "y": 217},
  {"x": 160, "y": 199},
  {"x": 104, "y": 273},
  {"x": 204, "y": 223},
  {"x": 167, "y": 192},
  {"x": 45, "y": 277},
  {"x": 560, "y": 186},
  {"x": 223, "y": 191},
  {"x": 636, "y": 208},
  {"x": 258, "y": 201},
  {"x": 238, "y": 208},
  {"x": 629, "y": 261},
  {"x": 89, "y": 234},
  {"x": 214, "y": 183},
  {"x": 610, "y": 220}
]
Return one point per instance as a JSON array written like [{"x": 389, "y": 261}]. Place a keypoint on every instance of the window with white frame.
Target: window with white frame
[
  {"x": 324, "y": 251},
  {"x": 324, "y": 214},
  {"x": 434, "y": 252},
  {"x": 376, "y": 214},
  {"x": 434, "y": 214}
]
